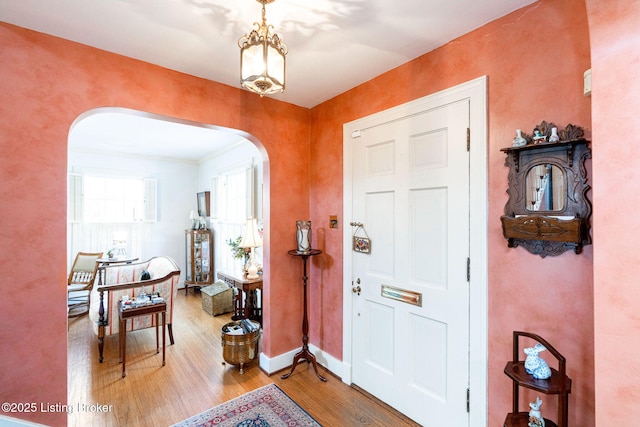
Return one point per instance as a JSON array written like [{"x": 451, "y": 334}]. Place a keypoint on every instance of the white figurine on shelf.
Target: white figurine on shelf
[
  {"x": 534, "y": 364},
  {"x": 535, "y": 417},
  {"x": 519, "y": 141}
]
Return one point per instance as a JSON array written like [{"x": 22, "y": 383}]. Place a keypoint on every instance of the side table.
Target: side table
[
  {"x": 128, "y": 313},
  {"x": 304, "y": 353},
  {"x": 246, "y": 288}
]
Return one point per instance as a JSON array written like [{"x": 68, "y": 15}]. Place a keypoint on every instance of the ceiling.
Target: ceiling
[
  {"x": 138, "y": 134},
  {"x": 333, "y": 45}
]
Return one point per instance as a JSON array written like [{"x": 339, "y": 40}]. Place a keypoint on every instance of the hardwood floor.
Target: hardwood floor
[{"x": 194, "y": 378}]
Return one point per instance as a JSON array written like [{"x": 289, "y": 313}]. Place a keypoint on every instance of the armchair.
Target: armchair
[
  {"x": 80, "y": 282},
  {"x": 117, "y": 280}
]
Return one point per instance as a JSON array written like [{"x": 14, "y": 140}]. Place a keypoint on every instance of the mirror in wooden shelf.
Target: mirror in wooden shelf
[
  {"x": 546, "y": 188},
  {"x": 548, "y": 211}
]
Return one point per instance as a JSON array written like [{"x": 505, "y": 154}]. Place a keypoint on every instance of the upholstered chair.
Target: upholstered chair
[{"x": 80, "y": 282}]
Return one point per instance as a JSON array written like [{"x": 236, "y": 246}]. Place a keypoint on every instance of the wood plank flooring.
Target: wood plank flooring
[{"x": 194, "y": 379}]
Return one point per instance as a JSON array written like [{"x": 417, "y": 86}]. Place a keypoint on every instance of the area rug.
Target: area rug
[{"x": 266, "y": 406}]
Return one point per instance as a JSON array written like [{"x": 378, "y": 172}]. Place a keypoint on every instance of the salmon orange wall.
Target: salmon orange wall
[
  {"x": 615, "y": 52},
  {"x": 46, "y": 83},
  {"x": 534, "y": 59}
]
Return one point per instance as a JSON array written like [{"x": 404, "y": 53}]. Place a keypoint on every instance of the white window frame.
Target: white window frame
[
  {"x": 230, "y": 227},
  {"x": 76, "y": 197}
]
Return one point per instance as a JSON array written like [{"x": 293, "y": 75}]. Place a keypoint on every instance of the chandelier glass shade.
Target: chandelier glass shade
[{"x": 262, "y": 58}]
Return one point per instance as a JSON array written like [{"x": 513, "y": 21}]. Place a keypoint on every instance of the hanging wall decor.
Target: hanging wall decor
[
  {"x": 548, "y": 211},
  {"x": 361, "y": 244}
]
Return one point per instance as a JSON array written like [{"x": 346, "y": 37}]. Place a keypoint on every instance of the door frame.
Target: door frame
[{"x": 476, "y": 92}]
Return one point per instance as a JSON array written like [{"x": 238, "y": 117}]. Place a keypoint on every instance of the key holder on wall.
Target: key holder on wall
[{"x": 361, "y": 244}]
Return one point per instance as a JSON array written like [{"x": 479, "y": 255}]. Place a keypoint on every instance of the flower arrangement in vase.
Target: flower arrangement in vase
[{"x": 238, "y": 252}]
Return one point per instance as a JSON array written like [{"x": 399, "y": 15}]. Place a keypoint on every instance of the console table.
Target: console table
[
  {"x": 128, "y": 313},
  {"x": 304, "y": 353},
  {"x": 246, "y": 287}
]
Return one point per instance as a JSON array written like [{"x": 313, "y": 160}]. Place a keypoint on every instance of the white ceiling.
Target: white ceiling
[
  {"x": 133, "y": 133},
  {"x": 333, "y": 45}
]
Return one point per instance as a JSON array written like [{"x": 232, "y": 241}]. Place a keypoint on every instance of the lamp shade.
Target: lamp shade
[{"x": 251, "y": 237}]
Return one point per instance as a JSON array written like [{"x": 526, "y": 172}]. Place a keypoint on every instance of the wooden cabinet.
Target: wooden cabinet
[
  {"x": 548, "y": 211},
  {"x": 558, "y": 384},
  {"x": 199, "y": 259}
]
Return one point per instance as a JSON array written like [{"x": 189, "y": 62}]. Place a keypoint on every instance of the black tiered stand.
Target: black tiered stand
[{"x": 304, "y": 353}]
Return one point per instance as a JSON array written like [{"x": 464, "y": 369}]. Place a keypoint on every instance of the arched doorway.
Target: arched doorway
[{"x": 180, "y": 154}]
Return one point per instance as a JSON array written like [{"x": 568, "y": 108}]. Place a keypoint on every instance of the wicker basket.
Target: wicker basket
[
  {"x": 239, "y": 349},
  {"x": 217, "y": 298}
]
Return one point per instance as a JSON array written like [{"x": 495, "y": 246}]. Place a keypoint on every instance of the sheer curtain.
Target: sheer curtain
[{"x": 101, "y": 237}]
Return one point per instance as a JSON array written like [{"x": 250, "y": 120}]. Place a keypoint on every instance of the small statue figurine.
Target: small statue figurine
[
  {"x": 538, "y": 137},
  {"x": 535, "y": 417},
  {"x": 534, "y": 364}
]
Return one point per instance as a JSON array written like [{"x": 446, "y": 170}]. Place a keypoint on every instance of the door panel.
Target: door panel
[
  {"x": 380, "y": 213},
  {"x": 380, "y": 326},
  {"x": 431, "y": 353},
  {"x": 428, "y": 210},
  {"x": 411, "y": 192}
]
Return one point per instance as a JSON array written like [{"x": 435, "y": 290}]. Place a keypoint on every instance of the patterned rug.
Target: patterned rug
[{"x": 267, "y": 406}]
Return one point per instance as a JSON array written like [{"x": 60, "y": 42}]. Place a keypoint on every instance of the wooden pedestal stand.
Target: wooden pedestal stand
[{"x": 304, "y": 353}]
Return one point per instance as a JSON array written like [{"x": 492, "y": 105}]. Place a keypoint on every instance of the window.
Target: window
[
  {"x": 113, "y": 199},
  {"x": 235, "y": 196},
  {"x": 102, "y": 199},
  {"x": 232, "y": 203},
  {"x": 109, "y": 212}
]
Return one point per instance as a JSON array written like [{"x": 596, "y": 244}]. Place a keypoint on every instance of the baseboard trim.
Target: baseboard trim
[{"x": 271, "y": 365}]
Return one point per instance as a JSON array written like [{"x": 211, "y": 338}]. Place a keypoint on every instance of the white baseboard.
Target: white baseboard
[{"x": 283, "y": 361}]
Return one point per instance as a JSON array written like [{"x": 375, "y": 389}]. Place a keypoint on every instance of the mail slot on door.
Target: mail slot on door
[{"x": 403, "y": 295}]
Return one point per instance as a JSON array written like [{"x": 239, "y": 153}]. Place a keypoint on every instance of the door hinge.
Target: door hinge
[
  {"x": 468, "y": 139},
  {"x": 468, "y": 269},
  {"x": 468, "y": 400}
]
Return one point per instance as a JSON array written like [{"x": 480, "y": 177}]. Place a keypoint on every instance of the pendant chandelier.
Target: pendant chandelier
[{"x": 262, "y": 58}]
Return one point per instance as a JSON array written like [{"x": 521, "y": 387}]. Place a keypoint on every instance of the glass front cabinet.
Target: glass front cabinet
[{"x": 199, "y": 259}]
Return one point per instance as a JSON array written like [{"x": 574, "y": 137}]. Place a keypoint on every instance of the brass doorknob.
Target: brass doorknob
[{"x": 356, "y": 290}]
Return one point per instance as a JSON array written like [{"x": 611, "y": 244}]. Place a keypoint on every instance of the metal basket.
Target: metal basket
[{"x": 242, "y": 348}]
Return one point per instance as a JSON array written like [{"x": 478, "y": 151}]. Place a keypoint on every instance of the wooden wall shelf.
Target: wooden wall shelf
[
  {"x": 536, "y": 231},
  {"x": 548, "y": 211}
]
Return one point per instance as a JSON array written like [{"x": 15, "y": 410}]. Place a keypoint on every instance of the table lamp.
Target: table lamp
[
  {"x": 251, "y": 239},
  {"x": 195, "y": 220}
]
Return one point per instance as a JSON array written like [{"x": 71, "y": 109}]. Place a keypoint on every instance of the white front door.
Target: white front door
[{"x": 410, "y": 299}]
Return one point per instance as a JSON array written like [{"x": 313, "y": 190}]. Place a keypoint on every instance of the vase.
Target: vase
[
  {"x": 519, "y": 141},
  {"x": 303, "y": 235},
  {"x": 554, "y": 135}
]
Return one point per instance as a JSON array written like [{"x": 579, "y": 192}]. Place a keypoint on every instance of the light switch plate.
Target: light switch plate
[{"x": 587, "y": 82}]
